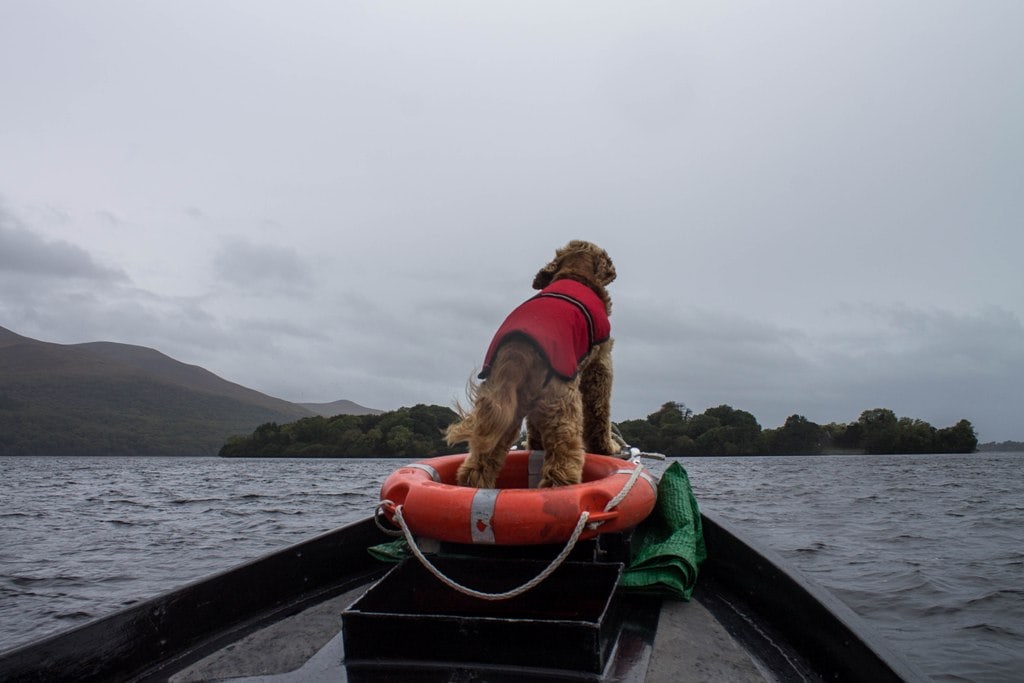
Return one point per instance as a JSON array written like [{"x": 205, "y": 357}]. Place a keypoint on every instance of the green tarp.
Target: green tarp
[
  {"x": 393, "y": 551},
  {"x": 668, "y": 546}
]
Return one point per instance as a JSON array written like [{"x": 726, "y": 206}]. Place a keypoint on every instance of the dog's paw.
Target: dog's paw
[
  {"x": 552, "y": 481},
  {"x": 474, "y": 477}
]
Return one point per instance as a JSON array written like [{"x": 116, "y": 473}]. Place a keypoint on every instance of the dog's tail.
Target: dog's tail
[
  {"x": 494, "y": 417},
  {"x": 462, "y": 430}
]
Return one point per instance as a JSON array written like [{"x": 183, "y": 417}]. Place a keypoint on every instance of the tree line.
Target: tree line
[
  {"x": 1002, "y": 447},
  {"x": 406, "y": 432},
  {"x": 673, "y": 430}
]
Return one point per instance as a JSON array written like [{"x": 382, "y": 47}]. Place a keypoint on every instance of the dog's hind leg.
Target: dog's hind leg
[
  {"x": 495, "y": 421},
  {"x": 482, "y": 466}
]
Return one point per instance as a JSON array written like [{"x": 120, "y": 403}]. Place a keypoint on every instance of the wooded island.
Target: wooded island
[{"x": 674, "y": 430}]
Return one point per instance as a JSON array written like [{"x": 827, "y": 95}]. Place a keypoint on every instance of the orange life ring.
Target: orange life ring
[{"x": 433, "y": 506}]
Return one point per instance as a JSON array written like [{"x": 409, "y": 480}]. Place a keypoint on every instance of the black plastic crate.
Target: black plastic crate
[{"x": 569, "y": 621}]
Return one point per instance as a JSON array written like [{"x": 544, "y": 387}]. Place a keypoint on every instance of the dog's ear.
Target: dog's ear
[
  {"x": 543, "y": 277},
  {"x": 547, "y": 273}
]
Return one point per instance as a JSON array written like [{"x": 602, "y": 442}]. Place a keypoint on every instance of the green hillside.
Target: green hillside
[{"x": 104, "y": 398}]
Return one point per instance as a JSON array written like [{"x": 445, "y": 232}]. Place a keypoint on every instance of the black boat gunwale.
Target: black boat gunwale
[{"x": 747, "y": 588}]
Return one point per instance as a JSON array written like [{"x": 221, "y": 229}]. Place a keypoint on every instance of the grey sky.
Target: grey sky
[{"x": 813, "y": 207}]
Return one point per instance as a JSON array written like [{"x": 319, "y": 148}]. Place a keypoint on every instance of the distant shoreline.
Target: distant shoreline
[
  {"x": 1001, "y": 447},
  {"x": 413, "y": 458},
  {"x": 830, "y": 454}
]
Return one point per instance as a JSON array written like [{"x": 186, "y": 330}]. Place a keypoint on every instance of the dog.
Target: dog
[{"x": 549, "y": 363}]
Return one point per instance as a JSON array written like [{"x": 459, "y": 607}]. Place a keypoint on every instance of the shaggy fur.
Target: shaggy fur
[{"x": 564, "y": 418}]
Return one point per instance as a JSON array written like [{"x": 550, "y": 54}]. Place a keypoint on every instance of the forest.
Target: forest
[
  {"x": 673, "y": 430},
  {"x": 406, "y": 432}
]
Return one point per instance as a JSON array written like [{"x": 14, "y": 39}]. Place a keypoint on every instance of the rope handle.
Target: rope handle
[
  {"x": 465, "y": 590},
  {"x": 377, "y": 516}
]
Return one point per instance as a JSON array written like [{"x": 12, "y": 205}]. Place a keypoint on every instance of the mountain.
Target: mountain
[{"x": 104, "y": 398}]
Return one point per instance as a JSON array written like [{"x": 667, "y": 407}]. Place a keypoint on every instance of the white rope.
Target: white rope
[
  {"x": 638, "y": 470},
  {"x": 650, "y": 456},
  {"x": 465, "y": 590},
  {"x": 376, "y": 520},
  {"x": 625, "y": 450}
]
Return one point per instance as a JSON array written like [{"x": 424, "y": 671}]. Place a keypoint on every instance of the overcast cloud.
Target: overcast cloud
[{"x": 813, "y": 207}]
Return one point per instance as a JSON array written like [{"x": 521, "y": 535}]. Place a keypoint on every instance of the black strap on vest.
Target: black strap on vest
[{"x": 586, "y": 314}]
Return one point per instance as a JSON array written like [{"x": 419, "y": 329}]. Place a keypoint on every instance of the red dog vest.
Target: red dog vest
[{"x": 564, "y": 321}]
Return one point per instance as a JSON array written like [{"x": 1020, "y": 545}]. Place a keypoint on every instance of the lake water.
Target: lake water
[{"x": 929, "y": 549}]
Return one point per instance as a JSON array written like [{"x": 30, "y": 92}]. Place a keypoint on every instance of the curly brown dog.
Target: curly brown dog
[{"x": 550, "y": 363}]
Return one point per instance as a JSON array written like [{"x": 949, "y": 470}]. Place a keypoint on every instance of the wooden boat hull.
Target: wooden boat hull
[{"x": 750, "y": 615}]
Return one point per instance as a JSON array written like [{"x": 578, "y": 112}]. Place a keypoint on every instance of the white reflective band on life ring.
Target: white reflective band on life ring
[
  {"x": 482, "y": 514},
  {"x": 434, "y": 474}
]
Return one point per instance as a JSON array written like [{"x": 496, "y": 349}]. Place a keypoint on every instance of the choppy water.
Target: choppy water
[{"x": 930, "y": 549}]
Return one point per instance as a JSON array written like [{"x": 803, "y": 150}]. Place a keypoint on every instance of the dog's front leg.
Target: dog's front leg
[{"x": 596, "y": 390}]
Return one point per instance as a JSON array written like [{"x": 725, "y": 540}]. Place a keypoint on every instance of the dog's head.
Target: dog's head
[{"x": 581, "y": 261}]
